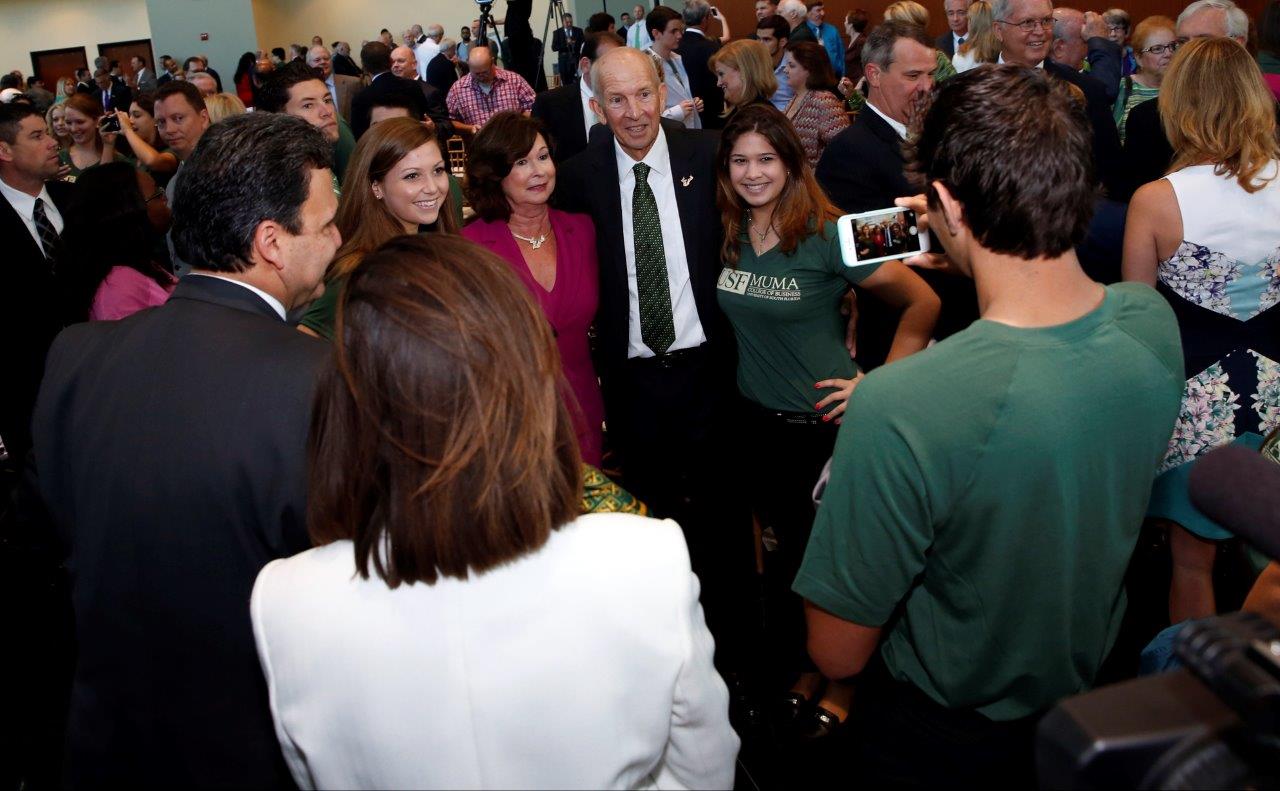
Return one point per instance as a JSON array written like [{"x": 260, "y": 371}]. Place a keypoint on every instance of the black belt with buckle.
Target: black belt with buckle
[{"x": 672, "y": 359}]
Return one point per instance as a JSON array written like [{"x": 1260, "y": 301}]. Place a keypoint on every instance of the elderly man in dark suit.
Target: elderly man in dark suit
[
  {"x": 442, "y": 70},
  {"x": 864, "y": 169},
  {"x": 957, "y": 12},
  {"x": 566, "y": 111},
  {"x": 191, "y": 422},
  {"x": 111, "y": 94},
  {"x": 666, "y": 354},
  {"x": 376, "y": 58}
]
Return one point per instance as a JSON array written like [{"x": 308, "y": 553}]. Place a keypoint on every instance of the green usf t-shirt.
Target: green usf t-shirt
[
  {"x": 785, "y": 311},
  {"x": 993, "y": 486}
]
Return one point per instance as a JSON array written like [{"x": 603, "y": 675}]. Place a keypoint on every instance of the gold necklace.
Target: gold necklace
[{"x": 534, "y": 243}]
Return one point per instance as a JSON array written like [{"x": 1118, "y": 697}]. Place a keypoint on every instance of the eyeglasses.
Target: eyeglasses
[
  {"x": 1160, "y": 49},
  {"x": 1114, "y": 28},
  {"x": 159, "y": 194},
  {"x": 1029, "y": 25}
]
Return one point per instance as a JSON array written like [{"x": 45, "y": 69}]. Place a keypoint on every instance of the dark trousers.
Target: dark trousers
[
  {"x": 906, "y": 740},
  {"x": 784, "y": 455},
  {"x": 668, "y": 422}
]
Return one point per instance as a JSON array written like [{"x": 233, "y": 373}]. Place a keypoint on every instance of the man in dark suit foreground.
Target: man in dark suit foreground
[
  {"x": 566, "y": 110},
  {"x": 31, "y": 309},
  {"x": 666, "y": 355},
  {"x": 169, "y": 449}
]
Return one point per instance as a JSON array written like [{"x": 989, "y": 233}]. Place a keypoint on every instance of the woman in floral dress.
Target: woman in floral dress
[{"x": 1208, "y": 236}]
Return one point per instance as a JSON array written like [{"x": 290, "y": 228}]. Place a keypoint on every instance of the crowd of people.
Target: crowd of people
[{"x": 401, "y": 419}]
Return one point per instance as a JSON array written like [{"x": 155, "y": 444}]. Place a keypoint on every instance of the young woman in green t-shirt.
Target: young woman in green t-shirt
[{"x": 781, "y": 288}]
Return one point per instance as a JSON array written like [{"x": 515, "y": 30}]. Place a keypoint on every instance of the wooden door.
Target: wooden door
[
  {"x": 51, "y": 65},
  {"x": 124, "y": 51}
]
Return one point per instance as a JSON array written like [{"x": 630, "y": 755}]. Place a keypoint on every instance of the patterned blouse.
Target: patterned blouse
[{"x": 819, "y": 118}]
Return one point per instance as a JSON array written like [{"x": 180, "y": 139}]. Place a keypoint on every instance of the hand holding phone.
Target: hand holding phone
[{"x": 881, "y": 235}]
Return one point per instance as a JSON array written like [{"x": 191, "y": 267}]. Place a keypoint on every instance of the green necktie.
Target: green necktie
[{"x": 657, "y": 327}]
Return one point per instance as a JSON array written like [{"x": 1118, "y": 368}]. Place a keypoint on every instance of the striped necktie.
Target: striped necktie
[
  {"x": 657, "y": 326},
  {"x": 49, "y": 239}
]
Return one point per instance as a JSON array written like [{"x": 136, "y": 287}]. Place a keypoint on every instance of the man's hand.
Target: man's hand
[
  {"x": 1094, "y": 26},
  {"x": 937, "y": 259}
]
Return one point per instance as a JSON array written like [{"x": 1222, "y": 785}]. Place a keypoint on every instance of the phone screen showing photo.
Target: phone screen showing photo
[{"x": 883, "y": 236}]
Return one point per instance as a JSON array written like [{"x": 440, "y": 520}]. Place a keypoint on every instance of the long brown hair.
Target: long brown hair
[
  {"x": 1215, "y": 107},
  {"x": 364, "y": 221},
  {"x": 802, "y": 207},
  {"x": 440, "y": 443}
]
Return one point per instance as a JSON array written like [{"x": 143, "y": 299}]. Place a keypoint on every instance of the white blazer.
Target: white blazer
[{"x": 586, "y": 664}]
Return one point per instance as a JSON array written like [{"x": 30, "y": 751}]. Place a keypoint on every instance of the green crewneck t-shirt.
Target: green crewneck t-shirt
[
  {"x": 785, "y": 312},
  {"x": 986, "y": 495}
]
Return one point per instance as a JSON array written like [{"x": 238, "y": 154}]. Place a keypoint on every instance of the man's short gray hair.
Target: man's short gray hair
[
  {"x": 448, "y": 46},
  {"x": 792, "y": 8},
  {"x": 1237, "y": 19},
  {"x": 1062, "y": 19},
  {"x": 435, "y": 32},
  {"x": 1000, "y": 9},
  {"x": 883, "y": 37},
  {"x": 1118, "y": 17},
  {"x": 695, "y": 11}
]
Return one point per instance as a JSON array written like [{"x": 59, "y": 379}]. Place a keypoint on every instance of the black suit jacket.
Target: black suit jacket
[
  {"x": 802, "y": 33},
  {"x": 1109, "y": 167},
  {"x": 170, "y": 448},
  {"x": 385, "y": 84},
  {"x": 33, "y": 306},
  {"x": 442, "y": 73},
  {"x": 588, "y": 183},
  {"x": 696, "y": 49},
  {"x": 863, "y": 167},
  {"x": 560, "y": 110},
  {"x": 345, "y": 66},
  {"x": 1147, "y": 153},
  {"x": 86, "y": 87},
  {"x": 433, "y": 105},
  {"x": 121, "y": 96},
  {"x": 947, "y": 43},
  {"x": 568, "y": 54}
]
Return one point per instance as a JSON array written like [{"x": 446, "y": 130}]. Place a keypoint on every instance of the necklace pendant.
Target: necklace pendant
[{"x": 536, "y": 243}]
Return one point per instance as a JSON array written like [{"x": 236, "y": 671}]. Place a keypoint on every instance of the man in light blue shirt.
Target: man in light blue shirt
[
  {"x": 772, "y": 31},
  {"x": 827, "y": 35}
]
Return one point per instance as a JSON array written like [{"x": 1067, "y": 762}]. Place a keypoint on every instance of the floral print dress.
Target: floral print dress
[{"x": 1223, "y": 283}]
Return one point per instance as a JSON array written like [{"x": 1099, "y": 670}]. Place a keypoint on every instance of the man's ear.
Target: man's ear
[
  {"x": 872, "y": 72},
  {"x": 598, "y": 110},
  {"x": 952, "y": 211},
  {"x": 6, "y": 152},
  {"x": 268, "y": 245}
]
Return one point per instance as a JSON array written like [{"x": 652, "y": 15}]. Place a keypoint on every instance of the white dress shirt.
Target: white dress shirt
[
  {"x": 1001, "y": 59},
  {"x": 275, "y": 304},
  {"x": 898, "y": 126},
  {"x": 424, "y": 51},
  {"x": 684, "y": 309},
  {"x": 584, "y": 664},
  {"x": 637, "y": 36},
  {"x": 25, "y": 206},
  {"x": 676, "y": 79},
  {"x": 585, "y": 96}
]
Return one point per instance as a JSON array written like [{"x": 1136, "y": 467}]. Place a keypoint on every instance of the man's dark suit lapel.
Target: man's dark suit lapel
[
  {"x": 881, "y": 129},
  {"x": 13, "y": 228},
  {"x": 606, "y": 183},
  {"x": 689, "y": 196}
]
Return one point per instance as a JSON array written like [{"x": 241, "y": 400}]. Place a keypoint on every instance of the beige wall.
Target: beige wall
[
  {"x": 30, "y": 25},
  {"x": 284, "y": 22}
]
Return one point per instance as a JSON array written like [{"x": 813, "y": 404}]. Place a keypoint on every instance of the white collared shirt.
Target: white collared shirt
[
  {"x": 898, "y": 126},
  {"x": 275, "y": 304},
  {"x": 585, "y": 96},
  {"x": 1001, "y": 59},
  {"x": 955, "y": 40},
  {"x": 683, "y": 307},
  {"x": 25, "y": 206},
  {"x": 424, "y": 51},
  {"x": 637, "y": 36}
]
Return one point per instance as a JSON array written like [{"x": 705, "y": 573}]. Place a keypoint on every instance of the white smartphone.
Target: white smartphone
[{"x": 881, "y": 235}]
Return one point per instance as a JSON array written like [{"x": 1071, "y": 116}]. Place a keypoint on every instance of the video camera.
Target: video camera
[{"x": 1213, "y": 724}]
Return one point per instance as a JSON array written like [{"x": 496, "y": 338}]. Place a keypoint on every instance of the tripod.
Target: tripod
[
  {"x": 555, "y": 10},
  {"x": 486, "y": 24}
]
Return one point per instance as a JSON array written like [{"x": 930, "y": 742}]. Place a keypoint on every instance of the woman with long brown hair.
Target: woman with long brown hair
[
  {"x": 816, "y": 109},
  {"x": 397, "y": 183},
  {"x": 781, "y": 288},
  {"x": 454, "y": 572},
  {"x": 89, "y": 145}
]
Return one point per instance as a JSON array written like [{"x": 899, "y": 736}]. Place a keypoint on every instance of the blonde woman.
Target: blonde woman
[
  {"x": 980, "y": 44},
  {"x": 744, "y": 72},
  {"x": 1207, "y": 235},
  {"x": 223, "y": 105},
  {"x": 66, "y": 87}
]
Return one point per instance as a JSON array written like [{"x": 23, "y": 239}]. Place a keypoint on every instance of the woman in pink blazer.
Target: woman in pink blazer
[{"x": 510, "y": 176}]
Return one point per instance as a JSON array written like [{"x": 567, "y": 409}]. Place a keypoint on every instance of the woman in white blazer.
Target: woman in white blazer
[{"x": 459, "y": 624}]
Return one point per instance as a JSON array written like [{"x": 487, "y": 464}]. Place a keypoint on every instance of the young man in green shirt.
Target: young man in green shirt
[{"x": 986, "y": 494}]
